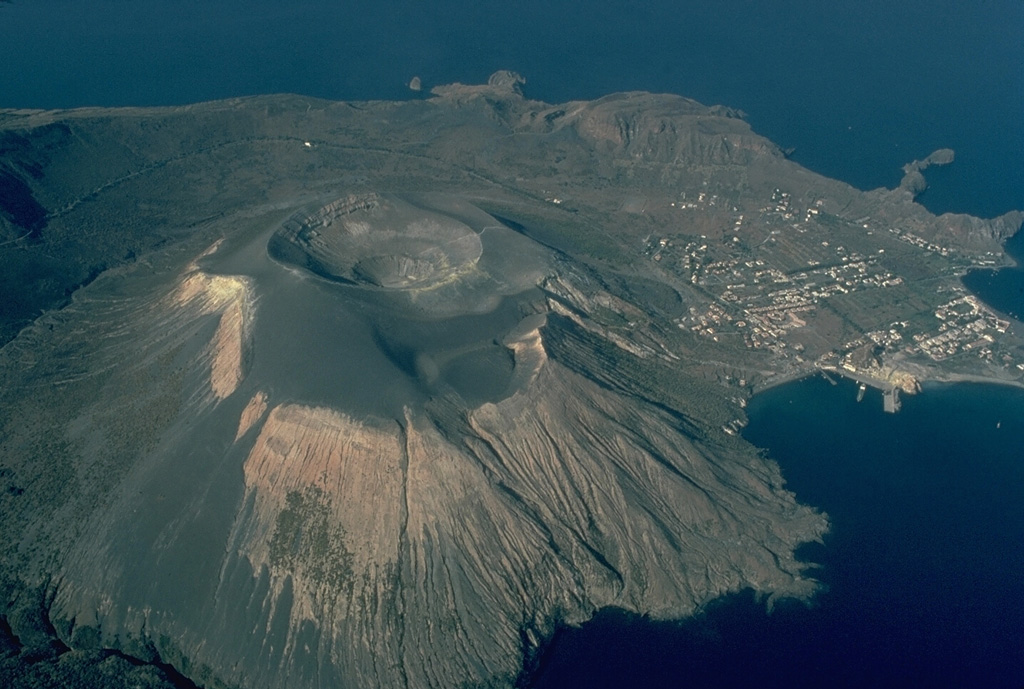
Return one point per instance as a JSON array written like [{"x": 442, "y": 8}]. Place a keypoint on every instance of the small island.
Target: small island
[{"x": 297, "y": 392}]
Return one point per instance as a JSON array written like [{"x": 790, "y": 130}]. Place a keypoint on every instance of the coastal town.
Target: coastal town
[{"x": 806, "y": 286}]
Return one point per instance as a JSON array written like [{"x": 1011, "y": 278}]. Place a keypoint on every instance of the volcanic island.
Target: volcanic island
[{"x": 298, "y": 393}]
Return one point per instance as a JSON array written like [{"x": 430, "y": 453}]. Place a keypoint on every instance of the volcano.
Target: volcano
[
  {"x": 381, "y": 394},
  {"x": 370, "y": 471}
]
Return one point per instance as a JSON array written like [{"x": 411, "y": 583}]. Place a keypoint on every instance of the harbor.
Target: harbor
[{"x": 891, "y": 403}]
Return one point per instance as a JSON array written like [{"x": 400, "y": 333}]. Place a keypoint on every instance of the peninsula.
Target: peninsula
[{"x": 297, "y": 393}]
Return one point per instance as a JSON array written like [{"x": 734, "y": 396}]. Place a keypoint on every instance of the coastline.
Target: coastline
[
  {"x": 877, "y": 383},
  {"x": 954, "y": 378},
  {"x": 1012, "y": 260}
]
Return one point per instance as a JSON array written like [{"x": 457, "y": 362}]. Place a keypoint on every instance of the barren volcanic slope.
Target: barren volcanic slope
[{"x": 377, "y": 394}]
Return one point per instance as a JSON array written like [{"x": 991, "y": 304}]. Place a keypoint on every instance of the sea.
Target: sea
[{"x": 924, "y": 567}]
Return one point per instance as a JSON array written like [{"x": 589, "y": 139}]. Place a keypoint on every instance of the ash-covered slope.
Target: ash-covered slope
[
  {"x": 429, "y": 532},
  {"x": 274, "y": 536}
]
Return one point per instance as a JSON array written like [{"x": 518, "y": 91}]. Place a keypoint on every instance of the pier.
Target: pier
[
  {"x": 891, "y": 403},
  {"x": 891, "y": 400}
]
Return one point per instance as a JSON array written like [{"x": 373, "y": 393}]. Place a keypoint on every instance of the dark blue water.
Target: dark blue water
[
  {"x": 857, "y": 88},
  {"x": 924, "y": 563},
  {"x": 1003, "y": 288}
]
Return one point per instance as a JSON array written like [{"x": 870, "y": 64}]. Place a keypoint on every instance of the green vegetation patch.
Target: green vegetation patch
[{"x": 306, "y": 539}]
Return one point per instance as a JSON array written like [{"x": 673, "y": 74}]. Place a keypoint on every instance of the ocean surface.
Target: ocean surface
[
  {"x": 925, "y": 562},
  {"x": 1002, "y": 288},
  {"x": 857, "y": 89}
]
